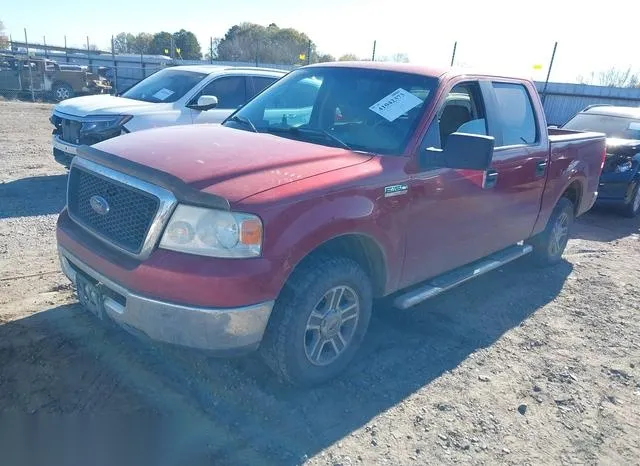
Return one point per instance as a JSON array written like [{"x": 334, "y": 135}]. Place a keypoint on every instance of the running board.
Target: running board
[{"x": 454, "y": 278}]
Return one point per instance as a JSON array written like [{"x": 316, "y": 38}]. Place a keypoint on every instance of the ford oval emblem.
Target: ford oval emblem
[{"x": 99, "y": 205}]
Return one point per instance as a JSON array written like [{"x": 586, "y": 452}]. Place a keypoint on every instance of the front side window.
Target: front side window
[
  {"x": 516, "y": 114},
  {"x": 165, "y": 86},
  {"x": 230, "y": 90},
  {"x": 362, "y": 109},
  {"x": 461, "y": 112}
]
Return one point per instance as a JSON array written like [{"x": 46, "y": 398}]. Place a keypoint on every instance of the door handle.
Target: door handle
[
  {"x": 541, "y": 168},
  {"x": 489, "y": 179}
]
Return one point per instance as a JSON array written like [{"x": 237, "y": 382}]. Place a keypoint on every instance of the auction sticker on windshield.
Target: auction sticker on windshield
[
  {"x": 163, "y": 94},
  {"x": 394, "y": 105}
]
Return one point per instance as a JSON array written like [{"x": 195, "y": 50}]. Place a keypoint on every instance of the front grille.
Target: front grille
[
  {"x": 70, "y": 130},
  {"x": 128, "y": 217}
]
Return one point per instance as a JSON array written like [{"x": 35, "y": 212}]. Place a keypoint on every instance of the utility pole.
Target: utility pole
[
  {"x": 453, "y": 55},
  {"x": 44, "y": 42},
  {"x": 26, "y": 41},
  {"x": 211, "y": 49},
  {"x": 553, "y": 55},
  {"x": 66, "y": 52},
  {"x": 373, "y": 55},
  {"x": 309, "y": 53}
]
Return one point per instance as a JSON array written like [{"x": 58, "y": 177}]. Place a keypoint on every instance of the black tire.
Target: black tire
[
  {"x": 632, "y": 209},
  {"x": 62, "y": 91},
  {"x": 546, "y": 250},
  {"x": 287, "y": 340}
]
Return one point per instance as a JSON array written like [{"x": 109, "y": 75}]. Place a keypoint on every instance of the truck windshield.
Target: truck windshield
[
  {"x": 165, "y": 86},
  {"x": 613, "y": 126},
  {"x": 360, "y": 109}
]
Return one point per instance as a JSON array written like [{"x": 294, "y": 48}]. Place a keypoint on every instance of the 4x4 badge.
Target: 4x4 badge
[{"x": 395, "y": 190}]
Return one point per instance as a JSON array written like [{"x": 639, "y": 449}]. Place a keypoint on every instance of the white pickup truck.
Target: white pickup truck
[{"x": 178, "y": 95}]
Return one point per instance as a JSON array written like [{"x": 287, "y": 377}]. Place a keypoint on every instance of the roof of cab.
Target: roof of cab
[
  {"x": 613, "y": 110},
  {"x": 385, "y": 66},
  {"x": 210, "y": 69},
  {"x": 432, "y": 71}
]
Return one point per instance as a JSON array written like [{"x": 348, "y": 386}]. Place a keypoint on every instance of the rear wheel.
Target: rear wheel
[
  {"x": 633, "y": 207},
  {"x": 549, "y": 245},
  {"x": 62, "y": 91},
  {"x": 319, "y": 321}
]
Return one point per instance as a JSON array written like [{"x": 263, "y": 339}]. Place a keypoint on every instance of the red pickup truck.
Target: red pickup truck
[{"x": 338, "y": 184}]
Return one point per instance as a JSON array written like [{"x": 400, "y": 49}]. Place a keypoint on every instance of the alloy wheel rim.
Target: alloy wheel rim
[
  {"x": 331, "y": 325},
  {"x": 559, "y": 234}
]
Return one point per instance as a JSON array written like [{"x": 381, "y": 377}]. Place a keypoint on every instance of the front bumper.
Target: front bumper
[
  {"x": 216, "y": 329},
  {"x": 63, "y": 152}
]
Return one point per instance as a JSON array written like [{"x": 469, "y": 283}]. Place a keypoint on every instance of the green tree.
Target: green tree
[
  {"x": 126, "y": 42},
  {"x": 161, "y": 44},
  {"x": 187, "y": 44},
  {"x": 250, "y": 42}
]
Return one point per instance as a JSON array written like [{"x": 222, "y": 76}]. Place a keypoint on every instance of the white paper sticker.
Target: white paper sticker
[
  {"x": 395, "y": 104},
  {"x": 634, "y": 125},
  {"x": 163, "y": 94}
]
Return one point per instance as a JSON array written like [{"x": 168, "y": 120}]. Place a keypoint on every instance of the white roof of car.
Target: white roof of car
[{"x": 212, "y": 69}]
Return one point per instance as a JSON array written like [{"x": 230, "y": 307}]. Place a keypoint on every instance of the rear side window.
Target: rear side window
[
  {"x": 516, "y": 114},
  {"x": 230, "y": 91}
]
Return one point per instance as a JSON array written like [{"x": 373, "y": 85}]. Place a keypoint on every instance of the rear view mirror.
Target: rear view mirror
[
  {"x": 462, "y": 151},
  {"x": 205, "y": 102}
]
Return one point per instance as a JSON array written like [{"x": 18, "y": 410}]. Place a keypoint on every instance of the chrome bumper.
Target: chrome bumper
[{"x": 216, "y": 329}]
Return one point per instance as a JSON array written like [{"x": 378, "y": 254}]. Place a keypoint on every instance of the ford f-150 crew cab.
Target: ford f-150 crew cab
[{"x": 338, "y": 184}]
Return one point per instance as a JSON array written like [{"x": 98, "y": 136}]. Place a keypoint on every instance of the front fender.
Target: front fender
[{"x": 296, "y": 231}]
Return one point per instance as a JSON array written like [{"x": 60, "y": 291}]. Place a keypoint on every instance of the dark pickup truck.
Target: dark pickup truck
[{"x": 339, "y": 184}]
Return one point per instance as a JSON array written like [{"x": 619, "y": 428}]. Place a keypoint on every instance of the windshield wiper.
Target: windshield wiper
[
  {"x": 245, "y": 121},
  {"x": 315, "y": 132}
]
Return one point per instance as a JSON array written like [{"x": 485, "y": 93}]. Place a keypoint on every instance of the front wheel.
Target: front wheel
[
  {"x": 633, "y": 207},
  {"x": 549, "y": 245},
  {"x": 319, "y": 321}
]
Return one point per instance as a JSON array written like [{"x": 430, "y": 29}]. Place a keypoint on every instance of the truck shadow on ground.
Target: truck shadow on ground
[
  {"x": 605, "y": 225},
  {"x": 33, "y": 196},
  {"x": 64, "y": 361}
]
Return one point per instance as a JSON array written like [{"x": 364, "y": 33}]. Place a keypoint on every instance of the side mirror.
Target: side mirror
[
  {"x": 462, "y": 151},
  {"x": 205, "y": 102}
]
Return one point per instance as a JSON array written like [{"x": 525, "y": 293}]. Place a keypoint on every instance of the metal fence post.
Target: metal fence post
[{"x": 26, "y": 41}]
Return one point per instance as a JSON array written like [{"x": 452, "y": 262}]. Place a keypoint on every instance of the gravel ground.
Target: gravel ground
[{"x": 520, "y": 366}]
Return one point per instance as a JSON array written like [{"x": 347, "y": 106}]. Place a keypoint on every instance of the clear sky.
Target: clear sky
[{"x": 497, "y": 35}]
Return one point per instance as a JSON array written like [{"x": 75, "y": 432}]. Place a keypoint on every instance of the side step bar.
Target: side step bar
[{"x": 454, "y": 278}]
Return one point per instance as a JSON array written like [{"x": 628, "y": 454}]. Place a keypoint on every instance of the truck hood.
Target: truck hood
[
  {"x": 231, "y": 163},
  {"x": 104, "y": 104}
]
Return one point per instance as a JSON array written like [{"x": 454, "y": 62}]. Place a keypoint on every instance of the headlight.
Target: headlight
[
  {"x": 624, "y": 167},
  {"x": 215, "y": 233},
  {"x": 99, "y": 124}
]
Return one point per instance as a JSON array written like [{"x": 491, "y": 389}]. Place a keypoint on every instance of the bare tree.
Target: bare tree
[
  {"x": 348, "y": 57},
  {"x": 613, "y": 77},
  {"x": 4, "y": 40},
  {"x": 400, "y": 57}
]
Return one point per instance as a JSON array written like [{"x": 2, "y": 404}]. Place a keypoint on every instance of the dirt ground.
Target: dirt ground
[{"x": 520, "y": 366}]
